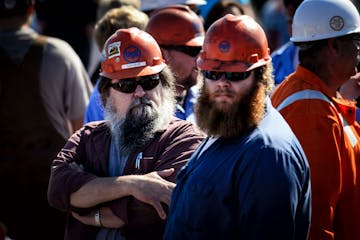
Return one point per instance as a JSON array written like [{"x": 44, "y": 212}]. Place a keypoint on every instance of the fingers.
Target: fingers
[
  {"x": 165, "y": 173},
  {"x": 159, "y": 209}
]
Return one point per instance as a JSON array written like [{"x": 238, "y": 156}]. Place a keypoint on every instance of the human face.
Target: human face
[
  {"x": 225, "y": 93},
  {"x": 182, "y": 60},
  {"x": 138, "y": 101},
  {"x": 350, "y": 54},
  {"x": 229, "y": 108}
]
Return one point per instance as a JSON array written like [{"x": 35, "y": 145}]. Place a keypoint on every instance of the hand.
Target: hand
[
  {"x": 108, "y": 218},
  {"x": 152, "y": 189}
]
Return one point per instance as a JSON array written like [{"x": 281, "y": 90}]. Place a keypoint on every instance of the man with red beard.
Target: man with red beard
[
  {"x": 250, "y": 179},
  {"x": 115, "y": 177}
]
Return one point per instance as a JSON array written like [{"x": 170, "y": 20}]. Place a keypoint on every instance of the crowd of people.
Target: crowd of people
[{"x": 193, "y": 119}]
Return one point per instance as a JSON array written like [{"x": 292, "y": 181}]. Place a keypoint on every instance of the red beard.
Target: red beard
[{"x": 230, "y": 120}]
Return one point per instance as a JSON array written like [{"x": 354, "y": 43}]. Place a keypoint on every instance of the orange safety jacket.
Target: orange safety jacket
[{"x": 326, "y": 128}]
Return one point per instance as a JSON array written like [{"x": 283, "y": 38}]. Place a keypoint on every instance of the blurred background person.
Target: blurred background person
[
  {"x": 72, "y": 21},
  {"x": 103, "y": 6},
  {"x": 351, "y": 90},
  {"x": 246, "y": 5},
  {"x": 44, "y": 90},
  {"x": 286, "y": 58},
  {"x": 273, "y": 20},
  {"x": 122, "y": 17},
  {"x": 180, "y": 33},
  {"x": 220, "y": 9}
]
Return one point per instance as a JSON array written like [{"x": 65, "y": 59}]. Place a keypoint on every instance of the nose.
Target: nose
[
  {"x": 139, "y": 91},
  {"x": 223, "y": 81}
]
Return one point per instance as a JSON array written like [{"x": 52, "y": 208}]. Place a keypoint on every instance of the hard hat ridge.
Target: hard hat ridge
[{"x": 176, "y": 25}]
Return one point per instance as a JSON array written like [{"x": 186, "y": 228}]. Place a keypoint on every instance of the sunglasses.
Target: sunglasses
[
  {"x": 188, "y": 50},
  {"x": 128, "y": 85},
  {"x": 231, "y": 76}
]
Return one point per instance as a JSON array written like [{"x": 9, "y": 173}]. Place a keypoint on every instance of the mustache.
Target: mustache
[
  {"x": 142, "y": 100},
  {"x": 224, "y": 91}
]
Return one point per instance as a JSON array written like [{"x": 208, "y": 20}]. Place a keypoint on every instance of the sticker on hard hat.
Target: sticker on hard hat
[
  {"x": 224, "y": 46},
  {"x": 133, "y": 65},
  {"x": 114, "y": 49},
  {"x": 337, "y": 23},
  {"x": 132, "y": 54}
]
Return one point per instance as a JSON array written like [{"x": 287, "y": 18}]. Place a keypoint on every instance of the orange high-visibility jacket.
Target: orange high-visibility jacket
[{"x": 327, "y": 130}]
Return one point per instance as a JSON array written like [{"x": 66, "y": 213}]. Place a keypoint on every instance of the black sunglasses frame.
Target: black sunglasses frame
[
  {"x": 191, "y": 51},
  {"x": 231, "y": 76},
  {"x": 128, "y": 85}
]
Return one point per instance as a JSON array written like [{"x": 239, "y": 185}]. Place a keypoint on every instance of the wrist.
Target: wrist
[{"x": 97, "y": 217}]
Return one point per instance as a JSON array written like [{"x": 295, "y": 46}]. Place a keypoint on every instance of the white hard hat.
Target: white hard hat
[
  {"x": 322, "y": 19},
  {"x": 195, "y": 2}
]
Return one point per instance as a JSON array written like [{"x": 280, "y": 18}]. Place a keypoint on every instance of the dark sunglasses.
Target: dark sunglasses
[
  {"x": 231, "y": 76},
  {"x": 188, "y": 50},
  {"x": 128, "y": 85}
]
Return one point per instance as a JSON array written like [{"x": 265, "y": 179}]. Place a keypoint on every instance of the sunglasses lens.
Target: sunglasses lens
[
  {"x": 231, "y": 76},
  {"x": 129, "y": 85},
  {"x": 192, "y": 51},
  {"x": 212, "y": 75},
  {"x": 148, "y": 83},
  {"x": 237, "y": 76},
  {"x": 126, "y": 85}
]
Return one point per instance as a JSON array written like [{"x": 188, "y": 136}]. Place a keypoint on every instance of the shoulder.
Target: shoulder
[
  {"x": 274, "y": 134},
  {"x": 181, "y": 132},
  {"x": 179, "y": 126},
  {"x": 58, "y": 48},
  {"x": 96, "y": 126},
  {"x": 284, "y": 48}
]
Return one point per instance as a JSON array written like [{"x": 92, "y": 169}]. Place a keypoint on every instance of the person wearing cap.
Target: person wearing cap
[
  {"x": 180, "y": 34},
  {"x": 115, "y": 177},
  {"x": 120, "y": 17},
  {"x": 286, "y": 58},
  {"x": 327, "y": 33},
  {"x": 44, "y": 90},
  {"x": 250, "y": 178}
]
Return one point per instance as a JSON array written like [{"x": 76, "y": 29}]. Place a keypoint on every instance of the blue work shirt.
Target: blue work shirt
[
  {"x": 284, "y": 60},
  {"x": 94, "y": 110},
  {"x": 186, "y": 112},
  {"x": 255, "y": 186}
]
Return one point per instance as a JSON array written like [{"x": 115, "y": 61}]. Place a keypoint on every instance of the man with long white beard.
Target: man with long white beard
[
  {"x": 250, "y": 176},
  {"x": 115, "y": 177}
]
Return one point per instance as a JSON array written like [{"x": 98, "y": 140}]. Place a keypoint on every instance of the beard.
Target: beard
[
  {"x": 140, "y": 123},
  {"x": 234, "y": 119},
  {"x": 189, "y": 81}
]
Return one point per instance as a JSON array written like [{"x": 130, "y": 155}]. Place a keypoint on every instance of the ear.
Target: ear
[
  {"x": 335, "y": 46},
  {"x": 166, "y": 54}
]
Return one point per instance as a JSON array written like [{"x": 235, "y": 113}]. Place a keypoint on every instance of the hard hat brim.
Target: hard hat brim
[
  {"x": 228, "y": 66},
  {"x": 135, "y": 72}
]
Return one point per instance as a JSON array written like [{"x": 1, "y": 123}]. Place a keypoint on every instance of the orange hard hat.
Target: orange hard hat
[
  {"x": 234, "y": 44},
  {"x": 131, "y": 53},
  {"x": 176, "y": 25}
]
